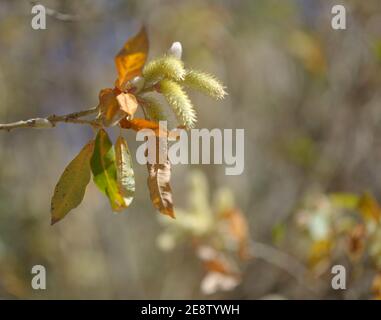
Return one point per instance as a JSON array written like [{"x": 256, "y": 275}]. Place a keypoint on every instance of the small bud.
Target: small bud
[
  {"x": 40, "y": 123},
  {"x": 176, "y": 50},
  {"x": 137, "y": 83}
]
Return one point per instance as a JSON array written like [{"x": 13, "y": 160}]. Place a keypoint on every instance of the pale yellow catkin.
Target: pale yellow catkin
[
  {"x": 179, "y": 102},
  {"x": 165, "y": 67},
  {"x": 153, "y": 108},
  {"x": 206, "y": 83}
]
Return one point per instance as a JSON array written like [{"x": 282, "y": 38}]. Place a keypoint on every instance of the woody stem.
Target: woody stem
[{"x": 51, "y": 121}]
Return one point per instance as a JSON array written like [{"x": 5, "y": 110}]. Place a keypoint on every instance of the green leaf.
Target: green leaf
[
  {"x": 71, "y": 187},
  {"x": 104, "y": 171},
  {"x": 125, "y": 173}
]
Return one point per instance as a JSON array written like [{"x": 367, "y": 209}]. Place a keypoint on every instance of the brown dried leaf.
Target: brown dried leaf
[
  {"x": 160, "y": 190},
  {"x": 109, "y": 106},
  {"x": 141, "y": 124},
  {"x": 127, "y": 103},
  {"x": 131, "y": 58}
]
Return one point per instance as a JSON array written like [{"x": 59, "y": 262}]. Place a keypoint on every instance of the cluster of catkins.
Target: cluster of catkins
[{"x": 168, "y": 76}]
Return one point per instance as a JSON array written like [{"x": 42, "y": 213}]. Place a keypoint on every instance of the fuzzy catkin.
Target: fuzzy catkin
[
  {"x": 204, "y": 82},
  {"x": 165, "y": 67},
  {"x": 179, "y": 102}
]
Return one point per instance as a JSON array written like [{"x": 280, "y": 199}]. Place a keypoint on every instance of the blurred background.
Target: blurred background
[{"x": 307, "y": 96}]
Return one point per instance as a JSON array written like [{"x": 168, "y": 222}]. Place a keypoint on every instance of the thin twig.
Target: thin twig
[
  {"x": 51, "y": 121},
  {"x": 74, "y": 115}
]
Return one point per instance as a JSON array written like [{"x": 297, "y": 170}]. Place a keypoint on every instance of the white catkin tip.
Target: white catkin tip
[{"x": 176, "y": 50}]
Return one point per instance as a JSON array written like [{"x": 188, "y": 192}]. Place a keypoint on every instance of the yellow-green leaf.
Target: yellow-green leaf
[
  {"x": 104, "y": 171},
  {"x": 72, "y": 184},
  {"x": 125, "y": 173}
]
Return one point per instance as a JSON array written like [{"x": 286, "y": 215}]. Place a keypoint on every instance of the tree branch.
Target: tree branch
[{"x": 51, "y": 121}]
